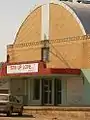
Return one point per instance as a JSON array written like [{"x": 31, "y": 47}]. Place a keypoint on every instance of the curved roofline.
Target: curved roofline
[
  {"x": 58, "y": 3},
  {"x": 31, "y": 11},
  {"x": 73, "y": 14},
  {"x": 25, "y": 21}
]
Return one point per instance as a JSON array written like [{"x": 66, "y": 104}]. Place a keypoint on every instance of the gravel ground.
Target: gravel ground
[
  {"x": 23, "y": 118},
  {"x": 40, "y": 117},
  {"x": 16, "y": 117},
  {"x": 28, "y": 117}
]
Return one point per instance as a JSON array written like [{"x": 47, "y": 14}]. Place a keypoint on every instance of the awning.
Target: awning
[{"x": 33, "y": 68}]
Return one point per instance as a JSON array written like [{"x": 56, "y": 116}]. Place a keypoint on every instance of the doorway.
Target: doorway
[
  {"x": 47, "y": 92},
  {"x": 58, "y": 92},
  {"x": 51, "y": 92}
]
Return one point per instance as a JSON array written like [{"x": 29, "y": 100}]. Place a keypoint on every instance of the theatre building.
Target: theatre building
[
  {"x": 49, "y": 61},
  {"x": 36, "y": 84}
]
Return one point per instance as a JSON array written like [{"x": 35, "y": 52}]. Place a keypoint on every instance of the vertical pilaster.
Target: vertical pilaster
[{"x": 45, "y": 22}]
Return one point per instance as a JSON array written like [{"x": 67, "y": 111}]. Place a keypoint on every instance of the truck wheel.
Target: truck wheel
[
  {"x": 9, "y": 113},
  {"x": 21, "y": 112}
]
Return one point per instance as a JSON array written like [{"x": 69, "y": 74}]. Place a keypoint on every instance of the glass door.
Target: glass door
[
  {"x": 47, "y": 92},
  {"x": 58, "y": 92}
]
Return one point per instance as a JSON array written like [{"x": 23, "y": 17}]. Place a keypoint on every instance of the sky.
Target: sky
[{"x": 12, "y": 14}]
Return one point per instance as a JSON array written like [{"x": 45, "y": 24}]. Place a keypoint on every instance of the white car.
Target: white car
[{"x": 10, "y": 104}]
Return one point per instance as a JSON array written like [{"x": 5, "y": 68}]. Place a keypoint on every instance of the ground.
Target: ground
[
  {"x": 60, "y": 113},
  {"x": 40, "y": 117}
]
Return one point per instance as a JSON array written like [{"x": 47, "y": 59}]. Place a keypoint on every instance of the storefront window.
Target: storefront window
[{"x": 36, "y": 89}]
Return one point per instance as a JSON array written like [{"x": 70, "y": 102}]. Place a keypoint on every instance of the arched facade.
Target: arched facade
[{"x": 61, "y": 21}]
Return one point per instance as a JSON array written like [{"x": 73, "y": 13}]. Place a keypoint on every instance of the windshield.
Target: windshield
[{"x": 4, "y": 98}]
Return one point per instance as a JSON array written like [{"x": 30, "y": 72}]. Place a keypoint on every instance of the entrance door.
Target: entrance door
[
  {"x": 47, "y": 92},
  {"x": 58, "y": 90}
]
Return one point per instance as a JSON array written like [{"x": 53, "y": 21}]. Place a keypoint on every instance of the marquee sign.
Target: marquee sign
[{"x": 22, "y": 68}]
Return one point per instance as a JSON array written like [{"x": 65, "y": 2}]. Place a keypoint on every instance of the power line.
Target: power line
[
  {"x": 58, "y": 41},
  {"x": 59, "y": 55}
]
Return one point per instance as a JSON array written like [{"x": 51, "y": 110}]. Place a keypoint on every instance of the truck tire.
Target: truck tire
[
  {"x": 21, "y": 112},
  {"x": 9, "y": 113}
]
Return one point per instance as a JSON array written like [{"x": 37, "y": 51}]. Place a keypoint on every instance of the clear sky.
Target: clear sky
[{"x": 12, "y": 14}]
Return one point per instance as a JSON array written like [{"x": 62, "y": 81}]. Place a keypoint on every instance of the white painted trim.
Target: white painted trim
[
  {"x": 73, "y": 14},
  {"x": 45, "y": 22}
]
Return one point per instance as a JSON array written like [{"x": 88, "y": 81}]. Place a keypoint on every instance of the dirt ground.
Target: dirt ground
[
  {"x": 43, "y": 117},
  {"x": 60, "y": 116}
]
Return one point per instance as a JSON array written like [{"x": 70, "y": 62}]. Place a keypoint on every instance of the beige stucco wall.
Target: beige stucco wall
[
  {"x": 74, "y": 92},
  {"x": 66, "y": 55},
  {"x": 25, "y": 54},
  {"x": 62, "y": 54},
  {"x": 30, "y": 30},
  {"x": 17, "y": 86},
  {"x": 86, "y": 54},
  {"x": 62, "y": 23},
  {"x": 73, "y": 54}
]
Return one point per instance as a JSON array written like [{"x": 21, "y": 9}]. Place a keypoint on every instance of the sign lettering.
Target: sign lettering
[{"x": 22, "y": 68}]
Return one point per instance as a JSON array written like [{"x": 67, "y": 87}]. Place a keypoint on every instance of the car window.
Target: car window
[
  {"x": 12, "y": 98},
  {"x": 4, "y": 97}
]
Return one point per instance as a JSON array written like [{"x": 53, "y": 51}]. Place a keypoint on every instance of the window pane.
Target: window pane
[
  {"x": 36, "y": 89},
  {"x": 45, "y": 97},
  {"x": 45, "y": 54}
]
